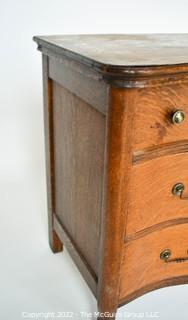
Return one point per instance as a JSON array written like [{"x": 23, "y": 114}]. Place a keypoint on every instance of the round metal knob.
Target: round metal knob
[
  {"x": 178, "y": 117},
  {"x": 178, "y": 189},
  {"x": 165, "y": 255}
]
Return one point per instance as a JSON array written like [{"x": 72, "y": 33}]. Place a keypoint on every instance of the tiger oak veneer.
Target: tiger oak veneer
[{"x": 116, "y": 128}]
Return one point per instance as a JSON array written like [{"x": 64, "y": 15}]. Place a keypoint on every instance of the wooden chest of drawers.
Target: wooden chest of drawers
[{"x": 116, "y": 127}]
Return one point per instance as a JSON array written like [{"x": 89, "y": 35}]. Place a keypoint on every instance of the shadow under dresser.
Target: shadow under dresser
[{"x": 116, "y": 133}]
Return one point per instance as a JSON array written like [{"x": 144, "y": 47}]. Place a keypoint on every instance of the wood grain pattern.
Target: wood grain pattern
[
  {"x": 79, "y": 137},
  {"x": 118, "y": 163},
  {"x": 151, "y": 199},
  {"x": 76, "y": 255},
  {"x": 127, "y": 73},
  {"x": 80, "y": 80},
  {"x": 155, "y": 228},
  {"x": 173, "y": 281},
  {"x": 165, "y": 149},
  {"x": 154, "y": 108},
  {"x": 55, "y": 243},
  {"x": 121, "y": 49},
  {"x": 143, "y": 270},
  {"x": 113, "y": 156}
]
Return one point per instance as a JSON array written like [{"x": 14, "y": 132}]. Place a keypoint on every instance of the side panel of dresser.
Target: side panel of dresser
[
  {"x": 78, "y": 100},
  {"x": 79, "y": 138}
]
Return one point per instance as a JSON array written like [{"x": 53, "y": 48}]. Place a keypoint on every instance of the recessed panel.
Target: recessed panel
[{"x": 79, "y": 137}]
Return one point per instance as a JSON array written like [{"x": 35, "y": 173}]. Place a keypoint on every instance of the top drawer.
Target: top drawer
[{"x": 154, "y": 112}]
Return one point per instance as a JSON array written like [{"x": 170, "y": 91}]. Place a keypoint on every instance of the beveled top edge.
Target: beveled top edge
[{"x": 171, "y": 53}]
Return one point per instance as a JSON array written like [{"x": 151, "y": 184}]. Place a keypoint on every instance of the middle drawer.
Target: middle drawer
[{"x": 151, "y": 200}]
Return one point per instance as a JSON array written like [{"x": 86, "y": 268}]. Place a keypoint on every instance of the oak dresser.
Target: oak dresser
[{"x": 116, "y": 128}]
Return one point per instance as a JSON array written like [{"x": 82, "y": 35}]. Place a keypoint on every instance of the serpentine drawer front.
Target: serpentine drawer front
[
  {"x": 116, "y": 134},
  {"x": 152, "y": 202},
  {"x": 165, "y": 259},
  {"x": 161, "y": 115}
]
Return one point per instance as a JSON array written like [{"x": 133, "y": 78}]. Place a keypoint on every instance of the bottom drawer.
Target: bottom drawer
[{"x": 156, "y": 260}]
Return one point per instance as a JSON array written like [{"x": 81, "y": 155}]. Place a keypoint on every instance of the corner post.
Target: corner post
[
  {"x": 116, "y": 188},
  {"x": 54, "y": 241}
]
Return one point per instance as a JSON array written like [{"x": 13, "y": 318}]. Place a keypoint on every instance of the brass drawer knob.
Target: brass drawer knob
[
  {"x": 165, "y": 255},
  {"x": 178, "y": 189},
  {"x": 178, "y": 117}
]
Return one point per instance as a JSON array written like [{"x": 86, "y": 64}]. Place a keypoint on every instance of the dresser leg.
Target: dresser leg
[
  {"x": 55, "y": 243},
  {"x": 107, "y": 310}
]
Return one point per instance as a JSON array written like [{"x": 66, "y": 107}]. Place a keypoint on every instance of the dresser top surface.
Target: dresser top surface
[{"x": 122, "y": 49}]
